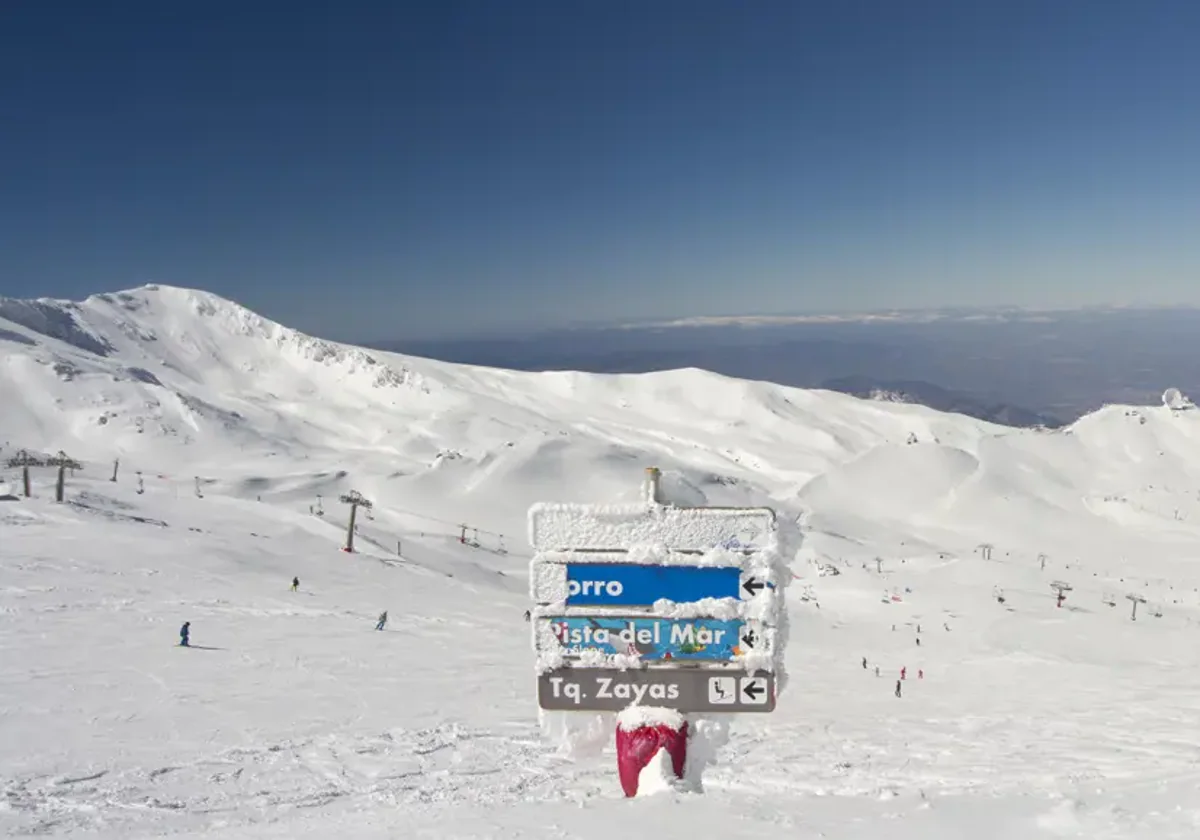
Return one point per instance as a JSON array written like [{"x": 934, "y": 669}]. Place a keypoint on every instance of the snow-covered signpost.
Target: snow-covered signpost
[{"x": 656, "y": 612}]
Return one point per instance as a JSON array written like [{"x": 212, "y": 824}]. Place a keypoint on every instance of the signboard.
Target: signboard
[
  {"x": 654, "y": 639},
  {"x": 685, "y": 690},
  {"x": 626, "y": 614},
  {"x": 608, "y": 584}
]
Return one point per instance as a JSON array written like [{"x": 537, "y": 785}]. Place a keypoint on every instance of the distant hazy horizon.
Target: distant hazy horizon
[{"x": 1039, "y": 365}]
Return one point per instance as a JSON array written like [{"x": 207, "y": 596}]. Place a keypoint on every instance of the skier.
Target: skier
[
  {"x": 897, "y": 688},
  {"x": 918, "y": 641},
  {"x": 864, "y": 663},
  {"x": 526, "y": 615},
  {"x": 920, "y": 673},
  {"x": 877, "y": 670},
  {"x": 904, "y": 673},
  {"x": 382, "y": 620},
  {"x": 295, "y": 584},
  {"x": 183, "y": 633}
]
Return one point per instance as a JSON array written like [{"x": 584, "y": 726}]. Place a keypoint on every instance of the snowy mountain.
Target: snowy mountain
[
  {"x": 185, "y": 378},
  {"x": 230, "y": 436}
]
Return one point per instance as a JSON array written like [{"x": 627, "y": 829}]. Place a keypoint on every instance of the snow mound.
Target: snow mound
[
  {"x": 658, "y": 776},
  {"x": 896, "y": 482}
]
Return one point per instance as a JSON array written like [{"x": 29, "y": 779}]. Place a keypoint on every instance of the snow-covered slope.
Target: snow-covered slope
[
  {"x": 182, "y": 377},
  {"x": 1029, "y": 720}
]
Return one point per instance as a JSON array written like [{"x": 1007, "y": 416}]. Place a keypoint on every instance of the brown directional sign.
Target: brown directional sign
[{"x": 685, "y": 690}]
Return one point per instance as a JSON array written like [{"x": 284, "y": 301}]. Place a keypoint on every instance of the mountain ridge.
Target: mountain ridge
[{"x": 185, "y": 377}]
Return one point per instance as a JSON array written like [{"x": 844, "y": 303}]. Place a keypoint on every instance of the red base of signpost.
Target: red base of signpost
[{"x": 636, "y": 747}]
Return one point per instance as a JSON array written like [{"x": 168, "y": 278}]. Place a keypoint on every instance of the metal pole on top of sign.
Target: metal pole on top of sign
[{"x": 652, "y": 488}]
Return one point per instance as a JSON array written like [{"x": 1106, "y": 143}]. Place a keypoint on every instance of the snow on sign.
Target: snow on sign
[
  {"x": 651, "y": 604},
  {"x": 621, "y": 527}
]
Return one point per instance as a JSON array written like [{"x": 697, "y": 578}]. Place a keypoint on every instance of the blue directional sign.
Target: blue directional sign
[
  {"x": 627, "y": 584},
  {"x": 656, "y": 639}
]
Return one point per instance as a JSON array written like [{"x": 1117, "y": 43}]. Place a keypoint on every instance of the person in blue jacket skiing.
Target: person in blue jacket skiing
[{"x": 183, "y": 634}]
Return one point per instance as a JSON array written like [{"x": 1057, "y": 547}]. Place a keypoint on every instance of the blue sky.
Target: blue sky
[{"x": 406, "y": 170}]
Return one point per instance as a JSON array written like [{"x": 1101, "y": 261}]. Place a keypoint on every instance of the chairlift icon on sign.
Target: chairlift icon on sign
[{"x": 722, "y": 690}]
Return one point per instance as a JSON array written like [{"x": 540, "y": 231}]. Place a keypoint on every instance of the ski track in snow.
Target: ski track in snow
[
  {"x": 430, "y": 769},
  {"x": 452, "y": 766}
]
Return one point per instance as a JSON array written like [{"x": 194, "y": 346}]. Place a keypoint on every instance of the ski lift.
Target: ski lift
[{"x": 1061, "y": 588}]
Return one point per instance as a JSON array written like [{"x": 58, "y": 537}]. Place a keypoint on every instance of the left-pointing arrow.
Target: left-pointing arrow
[
  {"x": 750, "y": 638},
  {"x": 753, "y": 690},
  {"x": 754, "y": 586}
]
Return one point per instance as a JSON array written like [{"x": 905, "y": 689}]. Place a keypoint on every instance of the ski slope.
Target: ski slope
[{"x": 293, "y": 717}]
